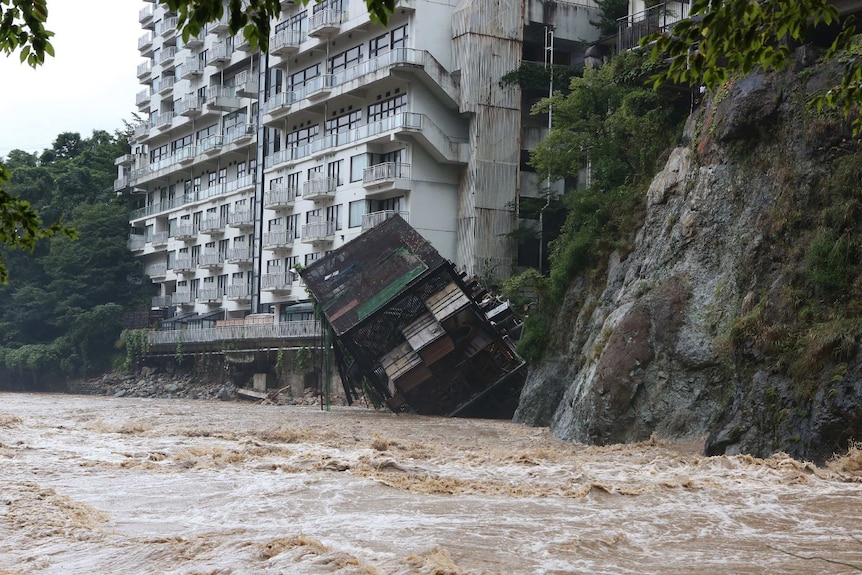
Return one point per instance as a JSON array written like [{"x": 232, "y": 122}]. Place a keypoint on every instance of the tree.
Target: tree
[{"x": 720, "y": 38}]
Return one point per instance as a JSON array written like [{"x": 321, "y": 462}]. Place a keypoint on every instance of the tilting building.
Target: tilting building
[
  {"x": 252, "y": 165},
  {"x": 414, "y": 330}
]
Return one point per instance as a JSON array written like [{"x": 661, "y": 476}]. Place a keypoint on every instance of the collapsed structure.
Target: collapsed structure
[{"x": 413, "y": 330}]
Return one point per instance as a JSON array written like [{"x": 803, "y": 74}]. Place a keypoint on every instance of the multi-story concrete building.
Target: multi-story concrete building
[{"x": 251, "y": 164}]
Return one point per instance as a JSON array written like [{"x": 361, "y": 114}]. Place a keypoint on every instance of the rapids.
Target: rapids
[{"x": 95, "y": 485}]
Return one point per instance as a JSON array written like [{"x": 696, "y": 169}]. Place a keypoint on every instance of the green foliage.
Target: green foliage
[
  {"x": 829, "y": 261},
  {"x": 535, "y": 76},
  {"x": 136, "y": 344},
  {"x": 301, "y": 359},
  {"x": 609, "y": 12},
  {"x": 537, "y": 332},
  {"x": 719, "y": 39},
  {"x": 22, "y": 27},
  {"x": 525, "y": 288}
]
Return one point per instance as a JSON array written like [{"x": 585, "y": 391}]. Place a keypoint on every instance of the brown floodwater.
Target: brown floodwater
[{"x": 95, "y": 485}]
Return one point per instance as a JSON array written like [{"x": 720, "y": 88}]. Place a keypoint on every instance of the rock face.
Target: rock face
[{"x": 656, "y": 348}]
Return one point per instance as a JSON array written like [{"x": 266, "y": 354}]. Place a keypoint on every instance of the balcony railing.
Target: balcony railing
[
  {"x": 137, "y": 242},
  {"x": 191, "y": 105},
  {"x": 633, "y": 27},
  {"x": 279, "y": 196},
  {"x": 274, "y": 239},
  {"x": 161, "y": 120},
  {"x": 277, "y": 282},
  {"x": 210, "y": 259},
  {"x": 185, "y": 231},
  {"x": 121, "y": 183},
  {"x": 145, "y": 41},
  {"x": 160, "y": 238},
  {"x": 377, "y": 218},
  {"x": 318, "y": 232},
  {"x": 212, "y": 224},
  {"x": 185, "y": 264},
  {"x": 142, "y": 96},
  {"x": 157, "y": 270},
  {"x": 285, "y": 42},
  {"x": 161, "y": 301},
  {"x": 166, "y": 84},
  {"x": 238, "y": 292},
  {"x": 246, "y": 84},
  {"x": 195, "y": 196},
  {"x": 280, "y": 103},
  {"x": 167, "y": 55},
  {"x": 167, "y": 27},
  {"x": 325, "y": 22},
  {"x": 145, "y": 13},
  {"x": 180, "y": 297},
  {"x": 319, "y": 188},
  {"x": 238, "y": 255},
  {"x": 385, "y": 172},
  {"x": 219, "y": 53},
  {"x": 144, "y": 69},
  {"x": 212, "y": 294},
  {"x": 240, "y": 218},
  {"x": 192, "y": 67},
  {"x": 258, "y": 331}
]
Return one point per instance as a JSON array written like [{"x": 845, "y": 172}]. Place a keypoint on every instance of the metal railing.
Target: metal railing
[
  {"x": 318, "y": 231},
  {"x": 283, "y": 330},
  {"x": 635, "y": 26},
  {"x": 279, "y": 196},
  {"x": 376, "y": 218},
  {"x": 385, "y": 172}
]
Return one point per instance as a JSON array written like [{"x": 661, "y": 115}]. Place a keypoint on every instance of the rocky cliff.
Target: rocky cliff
[{"x": 736, "y": 317}]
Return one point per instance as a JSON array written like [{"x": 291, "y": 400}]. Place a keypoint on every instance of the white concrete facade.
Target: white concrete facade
[{"x": 251, "y": 164}]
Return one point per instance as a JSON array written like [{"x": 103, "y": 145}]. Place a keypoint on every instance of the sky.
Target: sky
[{"x": 89, "y": 85}]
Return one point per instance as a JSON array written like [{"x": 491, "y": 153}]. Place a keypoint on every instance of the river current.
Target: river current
[{"x": 95, "y": 485}]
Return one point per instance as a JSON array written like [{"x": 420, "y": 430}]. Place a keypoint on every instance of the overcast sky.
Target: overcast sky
[{"x": 90, "y": 84}]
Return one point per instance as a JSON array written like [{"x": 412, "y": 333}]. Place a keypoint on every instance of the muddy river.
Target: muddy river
[{"x": 94, "y": 485}]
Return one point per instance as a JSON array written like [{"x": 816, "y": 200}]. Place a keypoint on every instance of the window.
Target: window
[
  {"x": 274, "y": 82},
  {"x": 222, "y": 175},
  {"x": 328, "y": 5},
  {"x": 240, "y": 170},
  {"x": 298, "y": 80},
  {"x": 388, "y": 107},
  {"x": 302, "y": 136},
  {"x": 208, "y": 131},
  {"x": 271, "y": 140},
  {"x": 234, "y": 119},
  {"x": 333, "y": 171},
  {"x": 311, "y": 258},
  {"x": 333, "y": 214},
  {"x": 223, "y": 246},
  {"x": 293, "y": 182},
  {"x": 346, "y": 59},
  {"x": 222, "y": 284},
  {"x": 194, "y": 287},
  {"x": 291, "y": 224},
  {"x": 343, "y": 123},
  {"x": 299, "y": 23},
  {"x": 312, "y": 216},
  {"x": 390, "y": 204},
  {"x": 392, "y": 40},
  {"x": 172, "y": 227},
  {"x": 211, "y": 180},
  {"x": 157, "y": 154},
  {"x": 398, "y": 38},
  {"x": 181, "y": 143},
  {"x": 357, "y": 165},
  {"x": 356, "y": 211}
]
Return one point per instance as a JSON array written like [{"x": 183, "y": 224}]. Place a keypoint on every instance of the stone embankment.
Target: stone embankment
[{"x": 150, "y": 382}]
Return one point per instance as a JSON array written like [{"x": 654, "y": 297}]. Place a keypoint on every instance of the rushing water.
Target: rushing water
[{"x": 92, "y": 485}]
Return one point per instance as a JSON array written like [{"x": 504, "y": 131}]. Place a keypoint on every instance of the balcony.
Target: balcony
[
  {"x": 211, "y": 144},
  {"x": 302, "y": 330},
  {"x": 124, "y": 160},
  {"x": 220, "y": 25},
  {"x": 279, "y": 197},
  {"x": 166, "y": 85},
  {"x": 167, "y": 55},
  {"x": 144, "y": 70},
  {"x": 318, "y": 232},
  {"x": 211, "y": 225},
  {"x": 377, "y": 218},
  {"x": 145, "y": 44},
  {"x": 278, "y": 239},
  {"x": 325, "y": 22},
  {"x": 223, "y": 98},
  {"x": 286, "y": 42},
  {"x": 183, "y": 297},
  {"x": 167, "y": 27},
  {"x": 295, "y": 153},
  {"x": 161, "y": 301},
  {"x": 246, "y": 84},
  {"x": 318, "y": 87},
  {"x": 185, "y": 155},
  {"x": 192, "y": 67},
  {"x": 196, "y": 42},
  {"x": 210, "y": 259},
  {"x": 157, "y": 271},
  {"x": 161, "y": 121},
  {"x": 286, "y": 4},
  {"x": 219, "y": 54},
  {"x": 145, "y": 15},
  {"x": 143, "y": 97},
  {"x": 277, "y": 282},
  {"x": 241, "y": 219},
  {"x": 238, "y": 256},
  {"x": 160, "y": 239},
  {"x": 386, "y": 177},
  {"x": 185, "y": 231},
  {"x": 278, "y": 106},
  {"x": 210, "y": 295},
  {"x": 184, "y": 264},
  {"x": 321, "y": 188},
  {"x": 137, "y": 242},
  {"x": 238, "y": 292},
  {"x": 240, "y": 134},
  {"x": 191, "y": 106},
  {"x": 121, "y": 184},
  {"x": 141, "y": 131}
]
